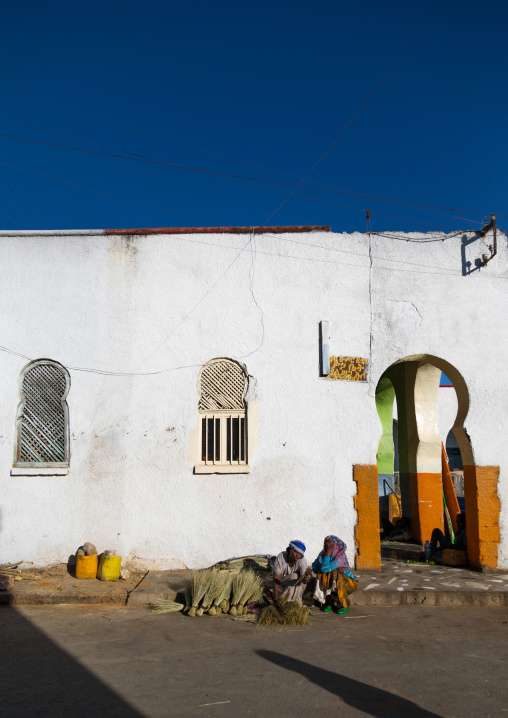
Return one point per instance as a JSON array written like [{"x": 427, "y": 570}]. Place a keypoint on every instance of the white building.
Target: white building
[{"x": 105, "y": 443}]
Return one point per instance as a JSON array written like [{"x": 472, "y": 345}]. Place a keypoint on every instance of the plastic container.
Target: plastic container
[
  {"x": 428, "y": 552},
  {"x": 109, "y": 568},
  {"x": 86, "y": 566}
]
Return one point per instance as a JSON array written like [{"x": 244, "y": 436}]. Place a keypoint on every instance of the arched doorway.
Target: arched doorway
[{"x": 413, "y": 383}]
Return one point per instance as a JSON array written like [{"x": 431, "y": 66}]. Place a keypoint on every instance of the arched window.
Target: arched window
[
  {"x": 222, "y": 386},
  {"x": 42, "y": 420}
]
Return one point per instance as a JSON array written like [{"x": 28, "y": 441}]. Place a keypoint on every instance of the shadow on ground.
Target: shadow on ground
[
  {"x": 40, "y": 679},
  {"x": 372, "y": 701}
]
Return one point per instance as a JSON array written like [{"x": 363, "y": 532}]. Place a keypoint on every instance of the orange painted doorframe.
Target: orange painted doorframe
[
  {"x": 426, "y": 504},
  {"x": 482, "y": 515},
  {"x": 367, "y": 539}
]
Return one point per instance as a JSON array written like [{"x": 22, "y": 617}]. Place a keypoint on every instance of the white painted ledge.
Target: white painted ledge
[
  {"x": 216, "y": 469},
  {"x": 39, "y": 472}
]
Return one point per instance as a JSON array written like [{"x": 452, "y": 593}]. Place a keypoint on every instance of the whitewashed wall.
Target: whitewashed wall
[{"x": 135, "y": 304}]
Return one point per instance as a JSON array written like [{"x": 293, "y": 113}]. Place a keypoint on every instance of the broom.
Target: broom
[
  {"x": 167, "y": 607},
  {"x": 255, "y": 596},
  {"x": 211, "y": 592},
  {"x": 253, "y": 584},
  {"x": 222, "y": 595},
  {"x": 199, "y": 581},
  {"x": 240, "y": 584}
]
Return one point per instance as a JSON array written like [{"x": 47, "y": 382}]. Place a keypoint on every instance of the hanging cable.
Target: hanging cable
[
  {"x": 18, "y": 199},
  {"x": 242, "y": 177},
  {"x": 399, "y": 58}
]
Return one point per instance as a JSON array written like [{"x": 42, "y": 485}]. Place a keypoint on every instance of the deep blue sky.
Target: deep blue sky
[{"x": 270, "y": 83}]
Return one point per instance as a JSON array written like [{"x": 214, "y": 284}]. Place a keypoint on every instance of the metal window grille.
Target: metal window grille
[
  {"x": 222, "y": 386},
  {"x": 42, "y": 436},
  {"x": 223, "y": 438}
]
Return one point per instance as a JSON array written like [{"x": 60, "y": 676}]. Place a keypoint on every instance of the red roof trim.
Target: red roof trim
[{"x": 221, "y": 230}]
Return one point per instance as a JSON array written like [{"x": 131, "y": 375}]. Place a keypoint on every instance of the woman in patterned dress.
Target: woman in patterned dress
[{"x": 334, "y": 578}]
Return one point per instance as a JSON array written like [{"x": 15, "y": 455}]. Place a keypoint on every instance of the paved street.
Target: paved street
[{"x": 119, "y": 661}]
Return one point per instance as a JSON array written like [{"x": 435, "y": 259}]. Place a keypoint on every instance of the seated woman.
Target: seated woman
[
  {"x": 290, "y": 573},
  {"x": 334, "y": 578}
]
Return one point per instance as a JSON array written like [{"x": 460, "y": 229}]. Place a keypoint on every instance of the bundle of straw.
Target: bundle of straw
[
  {"x": 222, "y": 595},
  {"x": 255, "y": 596},
  {"x": 167, "y": 607},
  {"x": 254, "y": 587},
  {"x": 241, "y": 586},
  {"x": 214, "y": 587},
  {"x": 283, "y": 612},
  {"x": 199, "y": 583}
]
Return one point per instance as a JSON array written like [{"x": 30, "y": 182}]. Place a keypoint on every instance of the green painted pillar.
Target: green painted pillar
[{"x": 385, "y": 396}]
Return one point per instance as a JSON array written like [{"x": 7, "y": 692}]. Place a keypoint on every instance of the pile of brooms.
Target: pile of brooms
[{"x": 214, "y": 592}]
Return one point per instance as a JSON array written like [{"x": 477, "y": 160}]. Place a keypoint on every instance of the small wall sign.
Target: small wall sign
[{"x": 348, "y": 368}]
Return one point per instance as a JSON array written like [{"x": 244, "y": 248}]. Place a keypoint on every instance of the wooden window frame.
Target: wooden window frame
[
  {"x": 219, "y": 451},
  {"x": 31, "y": 468}
]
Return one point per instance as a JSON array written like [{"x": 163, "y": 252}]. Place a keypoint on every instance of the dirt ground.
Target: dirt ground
[{"x": 118, "y": 661}]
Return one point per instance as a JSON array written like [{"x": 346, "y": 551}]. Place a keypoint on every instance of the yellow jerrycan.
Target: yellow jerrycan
[
  {"x": 86, "y": 566},
  {"x": 109, "y": 568}
]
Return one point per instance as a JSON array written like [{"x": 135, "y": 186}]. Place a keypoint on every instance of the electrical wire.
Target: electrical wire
[
  {"x": 329, "y": 148},
  {"x": 360, "y": 254},
  {"x": 286, "y": 174},
  {"x": 13, "y": 215},
  {"x": 267, "y": 234},
  {"x": 369, "y": 267},
  {"x": 201, "y": 300},
  {"x": 142, "y": 132},
  {"x": 104, "y": 194},
  {"x": 300, "y": 183},
  {"x": 242, "y": 177},
  {"x": 200, "y": 219},
  {"x": 423, "y": 240},
  {"x": 8, "y": 219},
  {"x": 11, "y": 212},
  {"x": 17, "y": 198},
  {"x": 72, "y": 137}
]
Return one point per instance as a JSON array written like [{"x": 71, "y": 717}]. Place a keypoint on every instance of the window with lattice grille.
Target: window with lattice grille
[
  {"x": 42, "y": 422},
  {"x": 222, "y": 386}
]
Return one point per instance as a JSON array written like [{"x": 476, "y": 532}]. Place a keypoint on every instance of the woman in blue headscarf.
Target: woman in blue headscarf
[{"x": 334, "y": 578}]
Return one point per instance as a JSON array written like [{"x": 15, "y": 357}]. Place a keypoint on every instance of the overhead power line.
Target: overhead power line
[
  {"x": 18, "y": 200},
  {"x": 268, "y": 169},
  {"x": 366, "y": 102},
  {"x": 209, "y": 221},
  {"x": 191, "y": 366},
  {"x": 139, "y": 131},
  {"x": 104, "y": 194},
  {"x": 243, "y": 177},
  {"x": 8, "y": 219}
]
